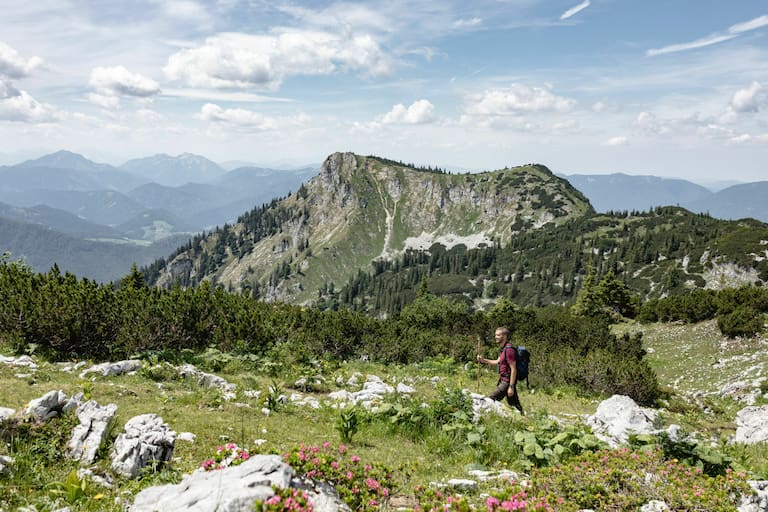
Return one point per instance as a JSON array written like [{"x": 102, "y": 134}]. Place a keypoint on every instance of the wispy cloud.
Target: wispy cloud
[
  {"x": 753, "y": 24},
  {"x": 733, "y": 32},
  {"x": 617, "y": 141},
  {"x": 464, "y": 23},
  {"x": 575, "y": 10}
]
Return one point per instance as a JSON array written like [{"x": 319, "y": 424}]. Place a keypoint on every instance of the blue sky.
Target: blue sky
[{"x": 671, "y": 88}]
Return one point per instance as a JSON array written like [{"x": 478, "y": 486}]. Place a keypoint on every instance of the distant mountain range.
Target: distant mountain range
[
  {"x": 102, "y": 208},
  {"x": 147, "y": 200},
  {"x": 619, "y": 192}
]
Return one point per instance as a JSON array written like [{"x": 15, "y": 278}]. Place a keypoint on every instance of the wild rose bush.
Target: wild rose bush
[
  {"x": 433, "y": 500},
  {"x": 223, "y": 456},
  {"x": 285, "y": 500},
  {"x": 362, "y": 486},
  {"x": 624, "y": 479}
]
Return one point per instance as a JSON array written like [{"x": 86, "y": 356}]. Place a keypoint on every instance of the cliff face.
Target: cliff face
[{"x": 358, "y": 209}]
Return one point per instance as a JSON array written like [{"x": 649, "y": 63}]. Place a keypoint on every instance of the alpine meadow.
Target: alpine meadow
[{"x": 383, "y": 256}]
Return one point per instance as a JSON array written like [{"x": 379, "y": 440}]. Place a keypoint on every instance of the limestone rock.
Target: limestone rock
[
  {"x": 655, "y": 506},
  {"x": 757, "y": 502},
  {"x": 354, "y": 379},
  {"x": 618, "y": 417},
  {"x": 6, "y": 463},
  {"x": 112, "y": 369},
  {"x": 51, "y": 405},
  {"x": 208, "y": 380},
  {"x": 482, "y": 405},
  {"x": 6, "y": 413},
  {"x": 89, "y": 435},
  {"x": 24, "y": 361},
  {"x": 462, "y": 484},
  {"x": 233, "y": 489},
  {"x": 147, "y": 440},
  {"x": 405, "y": 389},
  {"x": 752, "y": 425},
  {"x": 188, "y": 437}
]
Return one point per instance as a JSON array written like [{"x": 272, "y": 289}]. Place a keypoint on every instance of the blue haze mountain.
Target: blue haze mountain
[
  {"x": 174, "y": 171},
  {"x": 624, "y": 192},
  {"x": 735, "y": 202}
]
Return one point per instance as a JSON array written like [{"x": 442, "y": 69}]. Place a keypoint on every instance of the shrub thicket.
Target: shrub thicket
[
  {"x": 60, "y": 317},
  {"x": 739, "y": 311}
]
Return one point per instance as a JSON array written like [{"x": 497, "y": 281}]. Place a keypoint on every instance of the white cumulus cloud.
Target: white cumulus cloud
[
  {"x": 517, "y": 99},
  {"x": 420, "y": 112},
  {"x": 19, "y": 106},
  {"x": 117, "y": 81},
  {"x": 235, "y": 60},
  {"x": 13, "y": 65},
  {"x": 575, "y": 9},
  {"x": 747, "y": 99}
]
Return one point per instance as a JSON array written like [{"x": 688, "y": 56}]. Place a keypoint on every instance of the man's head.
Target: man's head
[{"x": 502, "y": 335}]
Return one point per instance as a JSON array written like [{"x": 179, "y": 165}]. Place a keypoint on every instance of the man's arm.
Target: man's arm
[{"x": 483, "y": 360}]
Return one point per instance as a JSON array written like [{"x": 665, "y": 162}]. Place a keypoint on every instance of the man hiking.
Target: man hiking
[{"x": 507, "y": 362}]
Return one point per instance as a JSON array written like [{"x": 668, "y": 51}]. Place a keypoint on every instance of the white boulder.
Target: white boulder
[
  {"x": 147, "y": 440},
  {"x": 90, "y": 434},
  {"x": 752, "y": 425},
  {"x": 618, "y": 417}
]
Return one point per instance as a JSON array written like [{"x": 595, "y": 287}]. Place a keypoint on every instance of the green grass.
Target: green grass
[{"x": 678, "y": 355}]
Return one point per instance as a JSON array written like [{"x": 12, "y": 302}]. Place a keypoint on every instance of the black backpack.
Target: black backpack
[{"x": 523, "y": 361}]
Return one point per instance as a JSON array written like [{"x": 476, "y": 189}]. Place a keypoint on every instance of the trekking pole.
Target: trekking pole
[{"x": 478, "y": 364}]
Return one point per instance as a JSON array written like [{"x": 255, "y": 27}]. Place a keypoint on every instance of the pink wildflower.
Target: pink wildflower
[
  {"x": 342, "y": 448},
  {"x": 372, "y": 483},
  {"x": 355, "y": 459},
  {"x": 334, "y": 464},
  {"x": 326, "y": 445},
  {"x": 350, "y": 475},
  {"x": 491, "y": 503}
]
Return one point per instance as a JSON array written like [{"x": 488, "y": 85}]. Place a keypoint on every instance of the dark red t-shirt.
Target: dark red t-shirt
[{"x": 507, "y": 359}]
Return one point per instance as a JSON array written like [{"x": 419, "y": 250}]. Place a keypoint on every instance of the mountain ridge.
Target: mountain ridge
[{"x": 358, "y": 209}]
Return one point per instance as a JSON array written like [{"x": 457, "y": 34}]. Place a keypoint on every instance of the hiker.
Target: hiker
[{"x": 507, "y": 361}]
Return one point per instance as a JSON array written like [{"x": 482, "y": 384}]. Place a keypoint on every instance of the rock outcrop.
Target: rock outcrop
[
  {"x": 89, "y": 436},
  {"x": 112, "y": 369},
  {"x": 51, "y": 405},
  {"x": 147, "y": 441},
  {"x": 234, "y": 489},
  {"x": 618, "y": 417},
  {"x": 752, "y": 425}
]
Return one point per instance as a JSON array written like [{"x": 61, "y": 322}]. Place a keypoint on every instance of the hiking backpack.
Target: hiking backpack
[{"x": 522, "y": 361}]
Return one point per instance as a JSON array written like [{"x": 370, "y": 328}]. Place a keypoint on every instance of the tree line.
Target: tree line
[{"x": 60, "y": 317}]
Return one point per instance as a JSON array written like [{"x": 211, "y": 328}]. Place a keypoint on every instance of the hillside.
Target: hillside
[
  {"x": 662, "y": 252},
  {"x": 358, "y": 210},
  {"x": 41, "y": 248}
]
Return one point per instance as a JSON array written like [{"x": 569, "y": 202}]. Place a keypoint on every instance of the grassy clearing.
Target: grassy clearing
[{"x": 677, "y": 352}]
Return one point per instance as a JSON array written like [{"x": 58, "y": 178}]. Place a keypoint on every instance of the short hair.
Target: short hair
[{"x": 504, "y": 330}]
